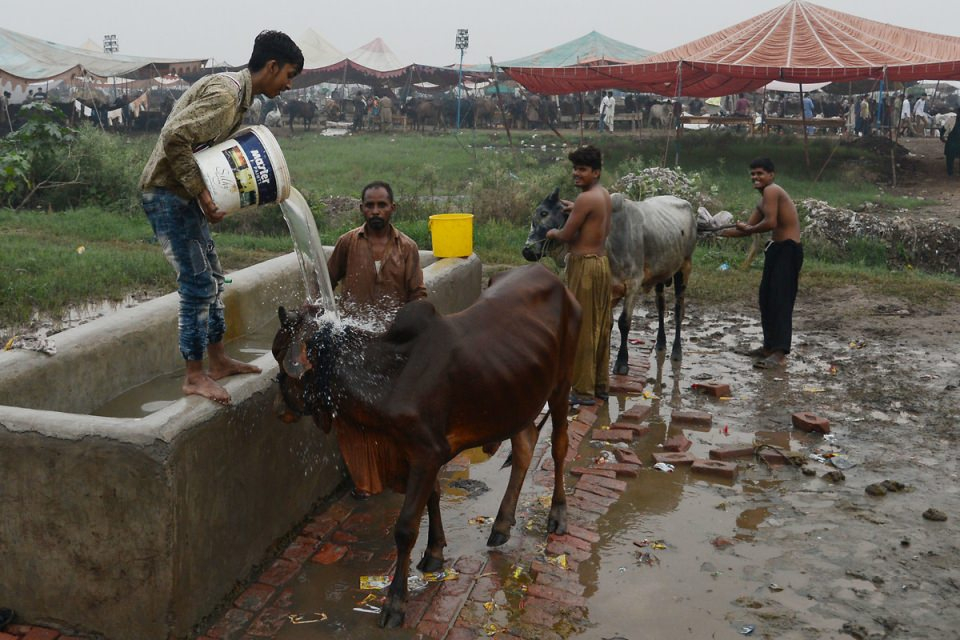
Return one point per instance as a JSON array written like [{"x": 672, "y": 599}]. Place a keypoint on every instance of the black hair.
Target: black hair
[
  {"x": 274, "y": 45},
  {"x": 377, "y": 184},
  {"x": 762, "y": 163},
  {"x": 587, "y": 156}
]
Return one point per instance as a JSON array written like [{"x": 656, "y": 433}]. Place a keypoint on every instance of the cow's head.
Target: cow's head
[
  {"x": 303, "y": 390},
  {"x": 549, "y": 214}
]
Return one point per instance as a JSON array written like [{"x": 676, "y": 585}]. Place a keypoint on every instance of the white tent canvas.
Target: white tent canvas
[
  {"x": 376, "y": 55},
  {"x": 317, "y": 50}
]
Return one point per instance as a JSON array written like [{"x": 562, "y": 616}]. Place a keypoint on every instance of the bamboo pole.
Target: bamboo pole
[{"x": 503, "y": 117}]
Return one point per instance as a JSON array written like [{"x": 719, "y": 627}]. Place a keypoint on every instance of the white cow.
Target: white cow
[{"x": 650, "y": 245}]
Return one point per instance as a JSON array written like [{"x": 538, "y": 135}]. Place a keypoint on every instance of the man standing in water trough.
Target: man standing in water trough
[
  {"x": 180, "y": 208},
  {"x": 378, "y": 268},
  {"x": 588, "y": 275},
  {"x": 783, "y": 258}
]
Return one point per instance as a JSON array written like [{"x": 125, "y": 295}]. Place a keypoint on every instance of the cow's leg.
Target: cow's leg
[
  {"x": 661, "y": 309},
  {"x": 679, "y": 305},
  {"x": 522, "y": 452},
  {"x": 622, "y": 365},
  {"x": 436, "y": 540},
  {"x": 559, "y": 403},
  {"x": 421, "y": 482}
]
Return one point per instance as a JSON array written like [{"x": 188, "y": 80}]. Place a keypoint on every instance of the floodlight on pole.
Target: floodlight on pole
[
  {"x": 111, "y": 44},
  {"x": 463, "y": 41}
]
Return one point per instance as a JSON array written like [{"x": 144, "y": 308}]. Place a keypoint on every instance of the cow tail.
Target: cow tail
[{"x": 509, "y": 461}]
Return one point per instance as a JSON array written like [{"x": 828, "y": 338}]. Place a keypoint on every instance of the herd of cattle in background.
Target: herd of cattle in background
[{"x": 440, "y": 112}]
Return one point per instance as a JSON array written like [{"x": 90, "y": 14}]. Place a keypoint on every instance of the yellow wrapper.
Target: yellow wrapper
[{"x": 375, "y": 582}]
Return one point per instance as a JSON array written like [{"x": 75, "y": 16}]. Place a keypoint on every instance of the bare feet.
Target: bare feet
[
  {"x": 759, "y": 352},
  {"x": 222, "y": 365},
  {"x": 201, "y": 384},
  {"x": 229, "y": 367}
]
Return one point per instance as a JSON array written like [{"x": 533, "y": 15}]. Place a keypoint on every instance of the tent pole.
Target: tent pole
[
  {"x": 763, "y": 111},
  {"x": 893, "y": 156},
  {"x": 679, "y": 123},
  {"x": 581, "y": 118},
  {"x": 503, "y": 117},
  {"x": 803, "y": 117}
]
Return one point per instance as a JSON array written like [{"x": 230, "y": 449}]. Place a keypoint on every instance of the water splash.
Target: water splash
[{"x": 306, "y": 242}]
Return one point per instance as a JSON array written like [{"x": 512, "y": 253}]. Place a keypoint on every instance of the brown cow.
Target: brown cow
[{"x": 432, "y": 386}]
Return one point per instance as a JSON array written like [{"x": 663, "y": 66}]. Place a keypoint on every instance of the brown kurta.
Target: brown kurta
[
  {"x": 374, "y": 462},
  {"x": 588, "y": 278}
]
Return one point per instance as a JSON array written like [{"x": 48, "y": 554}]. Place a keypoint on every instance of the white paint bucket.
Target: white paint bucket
[{"x": 247, "y": 170}]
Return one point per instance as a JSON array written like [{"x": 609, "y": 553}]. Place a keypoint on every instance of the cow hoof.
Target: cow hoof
[
  {"x": 391, "y": 617},
  {"x": 429, "y": 564},
  {"x": 557, "y": 523},
  {"x": 496, "y": 538},
  {"x": 676, "y": 356}
]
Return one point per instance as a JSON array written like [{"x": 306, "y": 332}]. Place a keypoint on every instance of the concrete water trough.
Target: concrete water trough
[{"x": 138, "y": 527}]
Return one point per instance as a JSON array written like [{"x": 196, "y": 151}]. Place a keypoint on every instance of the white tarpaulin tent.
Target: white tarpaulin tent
[
  {"x": 376, "y": 55},
  {"x": 24, "y": 59},
  {"x": 317, "y": 50}
]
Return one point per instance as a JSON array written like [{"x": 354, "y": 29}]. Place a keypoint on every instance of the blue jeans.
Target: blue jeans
[{"x": 184, "y": 235}]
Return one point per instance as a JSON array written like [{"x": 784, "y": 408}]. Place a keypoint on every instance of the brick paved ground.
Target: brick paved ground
[{"x": 529, "y": 588}]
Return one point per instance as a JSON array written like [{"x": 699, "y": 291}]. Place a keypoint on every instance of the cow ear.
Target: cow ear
[
  {"x": 555, "y": 196},
  {"x": 295, "y": 363}
]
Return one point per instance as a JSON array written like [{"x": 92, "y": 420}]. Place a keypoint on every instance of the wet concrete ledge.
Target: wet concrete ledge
[{"x": 135, "y": 528}]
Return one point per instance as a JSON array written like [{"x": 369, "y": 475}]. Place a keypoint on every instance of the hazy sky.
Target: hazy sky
[{"x": 421, "y": 31}]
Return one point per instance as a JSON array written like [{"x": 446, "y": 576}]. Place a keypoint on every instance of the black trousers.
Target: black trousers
[{"x": 778, "y": 292}]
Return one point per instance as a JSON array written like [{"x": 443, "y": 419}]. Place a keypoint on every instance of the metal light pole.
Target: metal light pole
[
  {"x": 463, "y": 41},
  {"x": 111, "y": 45}
]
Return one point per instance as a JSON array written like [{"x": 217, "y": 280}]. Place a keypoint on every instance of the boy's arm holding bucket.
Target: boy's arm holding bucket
[{"x": 207, "y": 120}]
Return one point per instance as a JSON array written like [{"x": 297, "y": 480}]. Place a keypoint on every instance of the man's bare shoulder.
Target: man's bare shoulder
[{"x": 596, "y": 197}]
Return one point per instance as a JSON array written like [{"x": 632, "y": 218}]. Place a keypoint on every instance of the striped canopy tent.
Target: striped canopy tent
[
  {"x": 797, "y": 42},
  {"x": 591, "y": 49},
  {"x": 25, "y": 59},
  {"x": 374, "y": 64}
]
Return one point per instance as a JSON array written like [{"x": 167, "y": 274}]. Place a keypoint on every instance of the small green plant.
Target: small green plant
[{"x": 32, "y": 157}]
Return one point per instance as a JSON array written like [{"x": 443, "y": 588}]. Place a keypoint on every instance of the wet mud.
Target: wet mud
[{"x": 777, "y": 552}]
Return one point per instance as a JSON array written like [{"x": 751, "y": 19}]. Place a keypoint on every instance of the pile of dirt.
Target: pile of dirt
[{"x": 928, "y": 244}]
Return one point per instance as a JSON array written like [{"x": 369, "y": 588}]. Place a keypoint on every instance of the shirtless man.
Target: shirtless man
[
  {"x": 783, "y": 259},
  {"x": 588, "y": 275}
]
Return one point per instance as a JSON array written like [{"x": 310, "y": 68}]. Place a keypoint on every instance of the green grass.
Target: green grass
[{"x": 43, "y": 272}]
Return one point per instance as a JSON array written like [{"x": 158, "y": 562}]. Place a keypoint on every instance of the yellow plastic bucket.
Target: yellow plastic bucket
[{"x": 452, "y": 234}]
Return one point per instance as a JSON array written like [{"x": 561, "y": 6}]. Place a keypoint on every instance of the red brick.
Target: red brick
[
  {"x": 285, "y": 599},
  {"x": 269, "y": 622},
  {"x": 638, "y": 430},
  {"x": 626, "y": 385},
  {"x": 806, "y": 421},
  {"x": 362, "y": 556},
  {"x": 619, "y": 486},
  {"x": 573, "y": 541},
  {"x": 623, "y": 470},
  {"x": 280, "y": 572},
  {"x": 39, "y": 633},
  {"x": 593, "y": 471},
  {"x": 716, "y": 468},
  {"x": 627, "y": 456},
  {"x": 416, "y": 606},
  {"x": 731, "y": 451},
  {"x": 590, "y": 506},
  {"x": 675, "y": 459},
  {"x": 548, "y": 593},
  {"x": 612, "y": 435},
  {"x": 320, "y": 526},
  {"x": 538, "y": 567},
  {"x": 7, "y": 636},
  {"x": 589, "y": 535},
  {"x": 469, "y": 565},
  {"x": 636, "y": 413},
  {"x": 358, "y": 522},
  {"x": 773, "y": 458},
  {"x": 569, "y": 582},
  {"x": 596, "y": 490},
  {"x": 587, "y": 415},
  {"x": 444, "y": 609},
  {"x": 578, "y": 428},
  {"x": 429, "y": 629},
  {"x": 594, "y": 494},
  {"x": 343, "y": 537},
  {"x": 715, "y": 389},
  {"x": 677, "y": 444},
  {"x": 464, "y": 633},
  {"x": 330, "y": 553},
  {"x": 231, "y": 624},
  {"x": 689, "y": 416},
  {"x": 300, "y": 549},
  {"x": 255, "y": 597}
]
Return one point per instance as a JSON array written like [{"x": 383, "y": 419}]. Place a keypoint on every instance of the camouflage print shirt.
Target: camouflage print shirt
[{"x": 208, "y": 113}]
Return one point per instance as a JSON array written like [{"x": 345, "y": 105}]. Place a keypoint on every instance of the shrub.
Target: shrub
[{"x": 645, "y": 182}]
